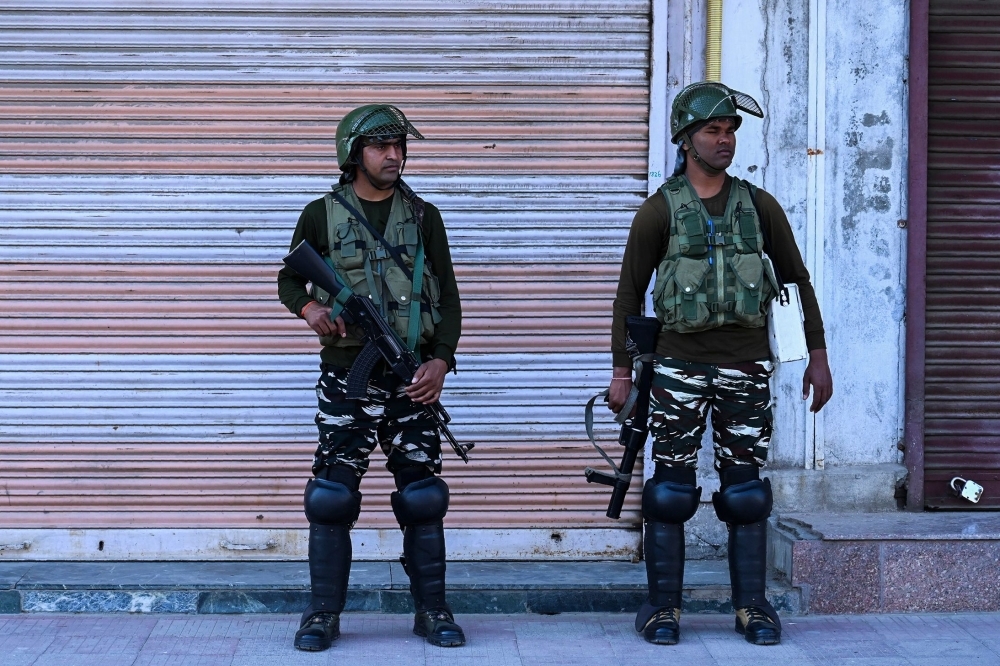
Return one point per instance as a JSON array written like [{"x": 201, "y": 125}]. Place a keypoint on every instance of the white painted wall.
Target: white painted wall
[
  {"x": 861, "y": 277},
  {"x": 866, "y": 267}
]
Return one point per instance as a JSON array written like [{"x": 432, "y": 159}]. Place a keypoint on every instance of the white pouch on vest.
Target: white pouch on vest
[{"x": 785, "y": 331}]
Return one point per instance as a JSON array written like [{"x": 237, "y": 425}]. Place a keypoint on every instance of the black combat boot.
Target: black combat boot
[
  {"x": 663, "y": 626},
  {"x": 669, "y": 500},
  {"x": 744, "y": 502},
  {"x": 759, "y": 624},
  {"x": 659, "y": 618},
  {"x": 424, "y": 562},
  {"x": 329, "y": 571},
  {"x": 318, "y": 631},
  {"x": 756, "y": 618},
  {"x": 438, "y": 627}
]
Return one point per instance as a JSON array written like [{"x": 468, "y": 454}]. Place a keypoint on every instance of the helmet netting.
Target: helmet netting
[
  {"x": 704, "y": 106},
  {"x": 384, "y": 122},
  {"x": 746, "y": 103}
]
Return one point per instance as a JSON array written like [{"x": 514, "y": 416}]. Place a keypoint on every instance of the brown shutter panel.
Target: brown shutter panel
[{"x": 962, "y": 426}]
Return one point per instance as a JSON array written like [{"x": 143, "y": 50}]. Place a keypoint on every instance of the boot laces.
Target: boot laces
[
  {"x": 440, "y": 614},
  {"x": 664, "y": 615},
  {"x": 321, "y": 618},
  {"x": 756, "y": 614}
]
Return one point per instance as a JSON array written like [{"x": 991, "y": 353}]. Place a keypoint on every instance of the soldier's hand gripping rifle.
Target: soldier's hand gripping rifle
[
  {"x": 641, "y": 345},
  {"x": 381, "y": 341}
]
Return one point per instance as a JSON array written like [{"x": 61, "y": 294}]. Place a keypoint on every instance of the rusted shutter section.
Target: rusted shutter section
[
  {"x": 962, "y": 428},
  {"x": 188, "y": 264},
  {"x": 153, "y": 161},
  {"x": 187, "y": 401},
  {"x": 555, "y": 87},
  {"x": 104, "y": 127}
]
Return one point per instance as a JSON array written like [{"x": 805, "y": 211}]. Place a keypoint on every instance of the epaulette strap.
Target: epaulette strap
[{"x": 672, "y": 183}]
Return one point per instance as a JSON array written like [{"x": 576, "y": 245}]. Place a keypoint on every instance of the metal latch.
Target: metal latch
[{"x": 969, "y": 490}]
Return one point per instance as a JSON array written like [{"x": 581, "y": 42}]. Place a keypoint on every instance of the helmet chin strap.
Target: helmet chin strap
[{"x": 706, "y": 167}]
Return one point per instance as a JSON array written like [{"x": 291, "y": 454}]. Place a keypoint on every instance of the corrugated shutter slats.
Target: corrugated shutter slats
[
  {"x": 962, "y": 420},
  {"x": 153, "y": 161}
]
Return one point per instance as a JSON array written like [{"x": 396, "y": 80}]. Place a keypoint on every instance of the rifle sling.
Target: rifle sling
[
  {"x": 341, "y": 297},
  {"x": 622, "y": 416},
  {"x": 413, "y": 329}
]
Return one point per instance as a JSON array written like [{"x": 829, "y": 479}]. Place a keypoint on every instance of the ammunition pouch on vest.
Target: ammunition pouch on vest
[
  {"x": 714, "y": 272},
  {"x": 364, "y": 265}
]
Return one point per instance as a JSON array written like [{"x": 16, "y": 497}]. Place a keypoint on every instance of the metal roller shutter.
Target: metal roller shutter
[
  {"x": 153, "y": 162},
  {"x": 962, "y": 427}
]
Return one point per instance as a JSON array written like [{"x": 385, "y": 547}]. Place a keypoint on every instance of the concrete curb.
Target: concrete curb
[{"x": 212, "y": 588}]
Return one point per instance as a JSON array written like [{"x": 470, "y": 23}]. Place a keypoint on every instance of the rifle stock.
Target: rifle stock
[
  {"x": 378, "y": 337},
  {"x": 642, "y": 334}
]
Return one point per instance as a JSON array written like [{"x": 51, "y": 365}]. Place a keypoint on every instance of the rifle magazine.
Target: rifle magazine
[{"x": 361, "y": 372}]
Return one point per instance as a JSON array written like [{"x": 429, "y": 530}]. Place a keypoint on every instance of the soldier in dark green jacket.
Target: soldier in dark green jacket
[
  {"x": 704, "y": 235},
  {"x": 426, "y": 313}
]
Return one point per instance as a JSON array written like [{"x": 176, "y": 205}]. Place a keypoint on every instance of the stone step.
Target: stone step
[
  {"x": 282, "y": 587},
  {"x": 889, "y": 562}
]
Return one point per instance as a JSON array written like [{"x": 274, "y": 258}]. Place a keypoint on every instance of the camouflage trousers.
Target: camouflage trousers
[
  {"x": 739, "y": 397},
  {"x": 349, "y": 430}
]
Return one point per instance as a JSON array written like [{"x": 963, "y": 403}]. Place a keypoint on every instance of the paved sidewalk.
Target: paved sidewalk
[{"x": 494, "y": 640}]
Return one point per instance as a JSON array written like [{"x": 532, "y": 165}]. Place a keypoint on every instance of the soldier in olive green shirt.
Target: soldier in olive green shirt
[
  {"x": 704, "y": 234},
  {"x": 397, "y": 256}
]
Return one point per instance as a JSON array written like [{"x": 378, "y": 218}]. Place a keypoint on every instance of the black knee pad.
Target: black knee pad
[
  {"x": 421, "y": 502},
  {"x": 331, "y": 503},
  {"x": 669, "y": 502},
  {"x": 744, "y": 503}
]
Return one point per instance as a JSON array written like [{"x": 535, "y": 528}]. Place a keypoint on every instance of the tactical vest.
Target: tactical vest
[
  {"x": 364, "y": 265},
  {"x": 714, "y": 272}
]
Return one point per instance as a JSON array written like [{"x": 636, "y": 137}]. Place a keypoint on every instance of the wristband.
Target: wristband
[{"x": 305, "y": 308}]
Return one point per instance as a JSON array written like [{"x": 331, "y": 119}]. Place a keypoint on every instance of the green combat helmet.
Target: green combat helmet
[
  {"x": 706, "y": 100},
  {"x": 371, "y": 121}
]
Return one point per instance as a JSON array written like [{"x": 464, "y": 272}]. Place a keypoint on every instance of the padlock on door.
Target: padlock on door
[{"x": 969, "y": 490}]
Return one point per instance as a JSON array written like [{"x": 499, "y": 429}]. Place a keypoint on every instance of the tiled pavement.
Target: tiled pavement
[{"x": 494, "y": 640}]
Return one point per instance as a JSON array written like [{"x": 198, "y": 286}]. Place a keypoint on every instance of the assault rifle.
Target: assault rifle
[
  {"x": 641, "y": 343},
  {"x": 381, "y": 341}
]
